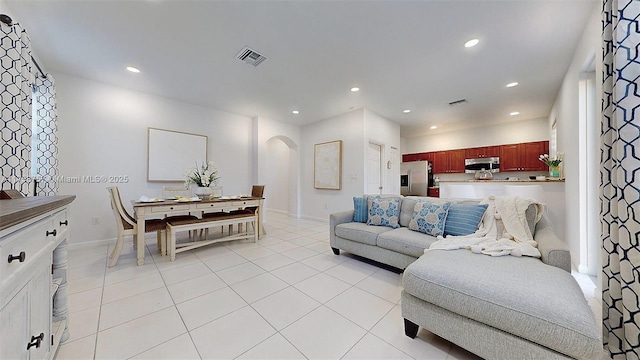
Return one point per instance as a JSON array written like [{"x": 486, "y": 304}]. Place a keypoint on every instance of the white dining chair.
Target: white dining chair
[
  {"x": 216, "y": 191},
  {"x": 126, "y": 225},
  {"x": 171, "y": 192}
]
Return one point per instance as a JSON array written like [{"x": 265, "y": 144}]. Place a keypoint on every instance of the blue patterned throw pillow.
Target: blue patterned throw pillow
[
  {"x": 383, "y": 212},
  {"x": 359, "y": 209},
  {"x": 463, "y": 219},
  {"x": 429, "y": 218}
]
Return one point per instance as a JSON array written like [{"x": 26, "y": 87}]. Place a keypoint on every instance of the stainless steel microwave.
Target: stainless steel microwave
[{"x": 491, "y": 164}]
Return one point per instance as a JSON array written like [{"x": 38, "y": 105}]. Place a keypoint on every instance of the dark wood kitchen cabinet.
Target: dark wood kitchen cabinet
[
  {"x": 450, "y": 161},
  {"x": 482, "y": 152},
  {"x": 523, "y": 157},
  {"x": 418, "y": 157}
]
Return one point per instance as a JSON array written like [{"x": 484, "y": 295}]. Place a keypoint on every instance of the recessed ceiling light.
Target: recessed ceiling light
[
  {"x": 296, "y": 112},
  {"x": 471, "y": 43},
  {"x": 433, "y": 127},
  {"x": 515, "y": 83},
  {"x": 406, "y": 111},
  {"x": 354, "y": 89},
  {"x": 133, "y": 69},
  {"x": 514, "y": 113}
]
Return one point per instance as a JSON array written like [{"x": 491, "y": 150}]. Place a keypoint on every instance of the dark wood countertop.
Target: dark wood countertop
[{"x": 15, "y": 211}]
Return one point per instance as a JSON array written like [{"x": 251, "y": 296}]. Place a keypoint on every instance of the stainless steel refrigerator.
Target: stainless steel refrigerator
[{"x": 415, "y": 178}]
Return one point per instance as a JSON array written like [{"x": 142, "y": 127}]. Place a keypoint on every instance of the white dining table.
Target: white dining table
[{"x": 155, "y": 209}]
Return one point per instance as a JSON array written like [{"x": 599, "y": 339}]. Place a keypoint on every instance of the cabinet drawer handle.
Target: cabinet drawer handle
[
  {"x": 54, "y": 232},
  {"x": 65, "y": 223},
  {"x": 20, "y": 257},
  {"x": 35, "y": 341}
]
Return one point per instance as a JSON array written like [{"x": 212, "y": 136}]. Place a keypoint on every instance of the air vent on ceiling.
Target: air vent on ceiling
[
  {"x": 458, "y": 102},
  {"x": 251, "y": 57}
]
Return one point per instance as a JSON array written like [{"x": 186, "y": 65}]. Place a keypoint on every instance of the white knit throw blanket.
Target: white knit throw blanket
[{"x": 516, "y": 239}]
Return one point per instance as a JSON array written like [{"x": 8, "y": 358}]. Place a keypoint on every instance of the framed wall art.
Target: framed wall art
[
  {"x": 327, "y": 165},
  {"x": 170, "y": 153}
]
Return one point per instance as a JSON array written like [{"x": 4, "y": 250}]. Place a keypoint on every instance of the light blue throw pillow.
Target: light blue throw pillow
[
  {"x": 429, "y": 218},
  {"x": 463, "y": 219},
  {"x": 383, "y": 212},
  {"x": 359, "y": 209}
]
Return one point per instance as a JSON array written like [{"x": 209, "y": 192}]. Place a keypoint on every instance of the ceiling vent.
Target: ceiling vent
[
  {"x": 251, "y": 57},
  {"x": 458, "y": 102}
]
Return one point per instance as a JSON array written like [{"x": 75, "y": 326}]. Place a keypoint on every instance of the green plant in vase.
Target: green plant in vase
[
  {"x": 204, "y": 177},
  {"x": 553, "y": 163}
]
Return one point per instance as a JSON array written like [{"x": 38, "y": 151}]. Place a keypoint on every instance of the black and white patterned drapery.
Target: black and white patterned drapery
[
  {"x": 45, "y": 136},
  {"x": 620, "y": 179},
  {"x": 16, "y": 79}
]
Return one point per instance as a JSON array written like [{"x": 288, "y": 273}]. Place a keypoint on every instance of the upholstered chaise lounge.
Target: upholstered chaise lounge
[{"x": 496, "y": 307}]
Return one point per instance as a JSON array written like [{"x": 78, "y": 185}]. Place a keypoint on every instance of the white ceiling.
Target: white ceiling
[{"x": 402, "y": 54}]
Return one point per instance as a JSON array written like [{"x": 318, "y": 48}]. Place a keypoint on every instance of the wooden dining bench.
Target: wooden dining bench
[{"x": 174, "y": 227}]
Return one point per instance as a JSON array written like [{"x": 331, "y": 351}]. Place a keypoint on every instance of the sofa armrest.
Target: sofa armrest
[
  {"x": 338, "y": 218},
  {"x": 554, "y": 251}
]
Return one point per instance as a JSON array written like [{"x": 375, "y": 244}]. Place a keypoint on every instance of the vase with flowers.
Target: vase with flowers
[
  {"x": 553, "y": 163},
  {"x": 204, "y": 177}
]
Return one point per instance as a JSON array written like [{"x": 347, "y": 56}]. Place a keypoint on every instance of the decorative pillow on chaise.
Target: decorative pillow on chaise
[
  {"x": 463, "y": 219},
  {"x": 429, "y": 218}
]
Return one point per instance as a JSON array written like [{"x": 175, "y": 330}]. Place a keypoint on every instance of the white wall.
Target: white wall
[
  {"x": 508, "y": 133},
  {"x": 103, "y": 132},
  {"x": 318, "y": 203},
  {"x": 384, "y": 132},
  {"x": 566, "y": 112}
]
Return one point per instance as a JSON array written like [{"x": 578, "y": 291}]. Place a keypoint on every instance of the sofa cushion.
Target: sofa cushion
[
  {"x": 463, "y": 219},
  {"x": 519, "y": 295},
  {"x": 359, "y": 209},
  {"x": 409, "y": 204},
  {"x": 360, "y": 232},
  {"x": 429, "y": 218},
  {"x": 383, "y": 211},
  {"x": 405, "y": 241}
]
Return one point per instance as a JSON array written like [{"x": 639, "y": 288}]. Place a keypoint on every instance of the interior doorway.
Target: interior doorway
[
  {"x": 588, "y": 167},
  {"x": 281, "y": 176},
  {"x": 374, "y": 169}
]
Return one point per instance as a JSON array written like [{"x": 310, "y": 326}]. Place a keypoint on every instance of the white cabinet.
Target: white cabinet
[
  {"x": 33, "y": 315},
  {"x": 15, "y": 329}
]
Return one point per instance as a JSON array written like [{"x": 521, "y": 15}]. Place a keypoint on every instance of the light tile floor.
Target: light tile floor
[{"x": 287, "y": 297}]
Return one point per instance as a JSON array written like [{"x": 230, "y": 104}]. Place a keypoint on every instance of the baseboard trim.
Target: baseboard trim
[
  {"x": 284, "y": 212},
  {"x": 93, "y": 243},
  {"x": 103, "y": 242},
  {"x": 322, "y": 220}
]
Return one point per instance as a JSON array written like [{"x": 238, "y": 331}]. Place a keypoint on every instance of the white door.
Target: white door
[{"x": 374, "y": 169}]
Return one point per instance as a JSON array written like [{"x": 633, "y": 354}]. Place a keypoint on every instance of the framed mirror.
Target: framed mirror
[{"x": 170, "y": 153}]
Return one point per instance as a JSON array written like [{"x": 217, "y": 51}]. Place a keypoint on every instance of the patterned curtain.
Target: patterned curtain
[
  {"x": 16, "y": 79},
  {"x": 620, "y": 179},
  {"x": 45, "y": 136}
]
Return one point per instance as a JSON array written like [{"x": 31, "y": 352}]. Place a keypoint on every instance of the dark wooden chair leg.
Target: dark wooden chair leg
[
  {"x": 410, "y": 329},
  {"x": 336, "y": 251}
]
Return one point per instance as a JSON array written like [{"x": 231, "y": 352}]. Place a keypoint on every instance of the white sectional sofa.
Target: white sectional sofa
[{"x": 496, "y": 307}]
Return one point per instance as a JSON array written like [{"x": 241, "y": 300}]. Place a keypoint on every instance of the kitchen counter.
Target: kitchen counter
[
  {"x": 549, "y": 192},
  {"x": 503, "y": 180},
  {"x": 15, "y": 211}
]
